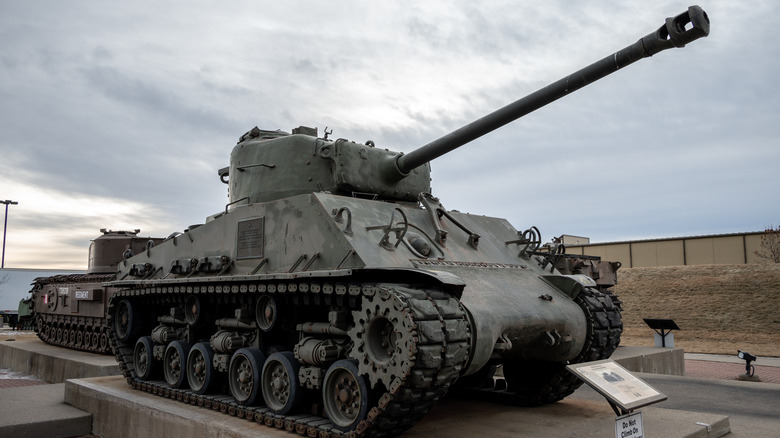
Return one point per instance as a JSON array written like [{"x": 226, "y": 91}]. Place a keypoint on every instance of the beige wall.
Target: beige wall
[
  {"x": 657, "y": 253},
  {"x": 720, "y": 249},
  {"x": 753, "y": 243}
]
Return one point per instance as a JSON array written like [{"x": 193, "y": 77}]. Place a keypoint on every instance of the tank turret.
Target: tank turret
[{"x": 107, "y": 250}]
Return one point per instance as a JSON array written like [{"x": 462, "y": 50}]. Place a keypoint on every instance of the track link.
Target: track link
[{"x": 440, "y": 350}]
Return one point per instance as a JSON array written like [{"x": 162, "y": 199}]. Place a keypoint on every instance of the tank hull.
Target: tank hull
[
  {"x": 70, "y": 311},
  {"x": 500, "y": 290},
  {"x": 314, "y": 280},
  {"x": 510, "y": 320}
]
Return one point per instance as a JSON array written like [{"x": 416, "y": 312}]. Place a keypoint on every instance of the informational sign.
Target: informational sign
[
  {"x": 617, "y": 384},
  {"x": 250, "y": 238},
  {"x": 629, "y": 426}
]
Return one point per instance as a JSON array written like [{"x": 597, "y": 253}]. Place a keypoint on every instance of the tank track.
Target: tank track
[
  {"x": 77, "y": 333},
  {"x": 537, "y": 383},
  {"x": 85, "y": 333},
  {"x": 605, "y": 325},
  {"x": 438, "y": 325}
]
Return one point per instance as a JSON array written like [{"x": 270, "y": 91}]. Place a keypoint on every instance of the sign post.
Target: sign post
[
  {"x": 7, "y": 202},
  {"x": 663, "y": 331},
  {"x": 629, "y": 426}
]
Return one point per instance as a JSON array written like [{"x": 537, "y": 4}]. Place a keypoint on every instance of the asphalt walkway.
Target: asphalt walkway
[
  {"x": 13, "y": 379},
  {"x": 715, "y": 366}
]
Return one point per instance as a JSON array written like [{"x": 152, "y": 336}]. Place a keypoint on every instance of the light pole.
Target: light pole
[{"x": 5, "y": 226}]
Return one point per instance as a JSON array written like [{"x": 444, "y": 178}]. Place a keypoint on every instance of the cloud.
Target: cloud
[{"x": 120, "y": 116}]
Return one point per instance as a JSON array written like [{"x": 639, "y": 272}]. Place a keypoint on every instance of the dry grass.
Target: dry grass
[{"x": 719, "y": 308}]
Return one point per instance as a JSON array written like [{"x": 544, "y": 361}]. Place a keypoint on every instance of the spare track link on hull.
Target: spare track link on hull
[
  {"x": 85, "y": 333},
  {"x": 436, "y": 357}
]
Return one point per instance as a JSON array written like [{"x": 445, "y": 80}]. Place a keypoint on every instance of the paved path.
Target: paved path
[
  {"x": 728, "y": 371},
  {"x": 714, "y": 366},
  {"x": 12, "y": 379}
]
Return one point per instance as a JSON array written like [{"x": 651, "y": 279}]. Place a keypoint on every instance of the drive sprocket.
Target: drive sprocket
[{"x": 384, "y": 337}]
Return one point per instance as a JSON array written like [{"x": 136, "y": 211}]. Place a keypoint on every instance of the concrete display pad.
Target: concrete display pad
[
  {"x": 104, "y": 404},
  {"x": 29, "y": 355},
  {"x": 39, "y": 411},
  {"x": 669, "y": 361},
  {"x": 571, "y": 417},
  {"x": 121, "y": 412}
]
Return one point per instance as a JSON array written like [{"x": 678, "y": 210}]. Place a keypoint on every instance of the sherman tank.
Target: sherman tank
[
  {"x": 335, "y": 296},
  {"x": 70, "y": 310}
]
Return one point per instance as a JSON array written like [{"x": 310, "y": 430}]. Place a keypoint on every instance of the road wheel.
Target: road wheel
[
  {"x": 345, "y": 395},
  {"x": 244, "y": 374},
  {"x": 201, "y": 374},
  {"x": 146, "y": 366},
  {"x": 281, "y": 389},
  {"x": 175, "y": 363}
]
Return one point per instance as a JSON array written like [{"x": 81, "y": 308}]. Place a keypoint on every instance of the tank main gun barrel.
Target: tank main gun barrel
[{"x": 676, "y": 32}]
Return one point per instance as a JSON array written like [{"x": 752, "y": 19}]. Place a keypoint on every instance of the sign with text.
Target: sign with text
[
  {"x": 629, "y": 426},
  {"x": 250, "y": 238},
  {"x": 88, "y": 295},
  {"x": 617, "y": 384}
]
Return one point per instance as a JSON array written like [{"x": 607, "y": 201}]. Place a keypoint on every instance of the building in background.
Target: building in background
[
  {"x": 739, "y": 248},
  {"x": 569, "y": 240},
  {"x": 15, "y": 284}
]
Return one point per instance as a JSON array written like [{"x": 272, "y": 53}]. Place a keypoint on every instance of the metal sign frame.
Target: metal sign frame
[
  {"x": 623, "y": 390},
  {"x": 663, "y": 327}
]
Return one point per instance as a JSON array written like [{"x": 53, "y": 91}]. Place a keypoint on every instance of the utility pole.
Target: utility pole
[{"x": 5, "y": 226}]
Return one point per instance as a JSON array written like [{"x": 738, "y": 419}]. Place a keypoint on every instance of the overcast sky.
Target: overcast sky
[{"x": 119, "y": 115}]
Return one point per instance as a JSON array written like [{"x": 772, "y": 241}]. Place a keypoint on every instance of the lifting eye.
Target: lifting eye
[{"x": 224, "y": 175}]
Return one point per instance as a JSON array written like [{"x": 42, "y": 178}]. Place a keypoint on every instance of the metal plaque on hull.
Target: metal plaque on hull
[{"x": 250, "y": 238}]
